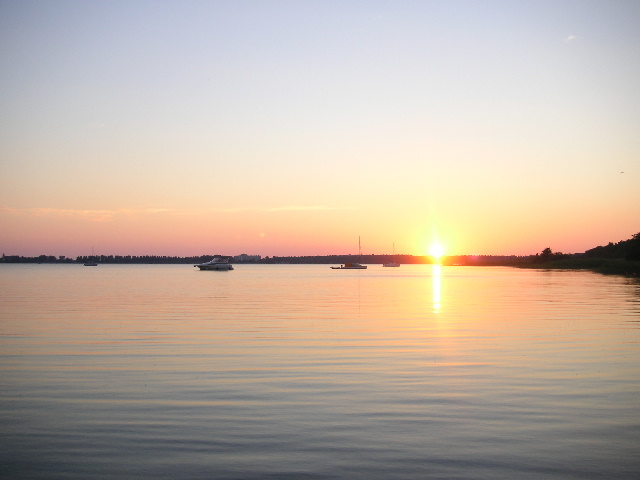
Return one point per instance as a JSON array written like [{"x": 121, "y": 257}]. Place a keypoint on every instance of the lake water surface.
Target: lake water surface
[{"x": 303, "y": 372}]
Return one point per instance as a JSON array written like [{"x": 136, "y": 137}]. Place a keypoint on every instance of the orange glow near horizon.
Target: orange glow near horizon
[{"x": 274, "y": 232}]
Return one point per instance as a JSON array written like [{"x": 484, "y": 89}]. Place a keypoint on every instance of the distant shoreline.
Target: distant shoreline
[
  {"x": 616, "y": 266},
  {"x": 488, "y": 260},
  {"x": 621, "y": 258}
]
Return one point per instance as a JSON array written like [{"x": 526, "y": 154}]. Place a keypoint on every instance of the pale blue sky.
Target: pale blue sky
[{"x": 439, "y": 111}]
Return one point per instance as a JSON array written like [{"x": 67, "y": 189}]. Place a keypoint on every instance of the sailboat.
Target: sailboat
[
  {"x": 92, "y": 261},
  {"x": 392, "y": 263},
  {"x": 352, "y": 265}
]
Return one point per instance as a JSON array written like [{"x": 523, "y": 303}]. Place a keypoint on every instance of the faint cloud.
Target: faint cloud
[
  {"x": 91, "y": 215},
  {"x": 226, "y": 210},
  {"x": 136, "y": 211},
  {"x": 110, "y": 215},
  {"x": 83, "y": 214},
  {"x": 9, "y": 210},
  {"x": 570, "y": 38},
  {"x": 302, "y": 208}
]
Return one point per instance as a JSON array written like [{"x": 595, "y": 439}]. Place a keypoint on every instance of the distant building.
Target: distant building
[{"x": 243, "y": 257}]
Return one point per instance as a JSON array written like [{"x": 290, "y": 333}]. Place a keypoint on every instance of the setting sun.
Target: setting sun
[{"x": 436, "y": 251}]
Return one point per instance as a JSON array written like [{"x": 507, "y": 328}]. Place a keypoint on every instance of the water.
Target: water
[{"x": 300, "y": 371}]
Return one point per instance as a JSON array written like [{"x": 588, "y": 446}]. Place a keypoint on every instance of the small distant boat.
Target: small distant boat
[
  {"x": 393, "y": 263},
  {"x": 350, "y": 266},
  {"x": 216, "y": 264}
]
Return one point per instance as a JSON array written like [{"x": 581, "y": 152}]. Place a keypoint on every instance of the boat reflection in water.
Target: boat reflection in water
[{"x": 217, "y": 263}]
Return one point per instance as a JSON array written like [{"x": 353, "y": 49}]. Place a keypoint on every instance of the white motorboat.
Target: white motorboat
[
  {"x": 216, "y": 264},
  {"x": 350, "y": 266}
]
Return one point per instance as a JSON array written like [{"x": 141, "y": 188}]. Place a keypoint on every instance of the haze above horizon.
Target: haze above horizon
[{"x": 292, "y": 128}]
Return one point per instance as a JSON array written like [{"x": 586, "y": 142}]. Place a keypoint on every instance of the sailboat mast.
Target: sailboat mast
[{"x": 359, "y": 249}]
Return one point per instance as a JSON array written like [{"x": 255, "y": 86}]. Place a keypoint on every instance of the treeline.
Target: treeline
[
  {"x": 487, "y": 260},
  {"x": 403, "y": 259},
  {"x": 627, "y": 249},
  {"x": 339, "y": 259},
  {"x": 150, "y": 259},
  {"x": 622, "y": 258},
  {"x": 38, "y": 259},
  {"x": 155, "y": 259}
]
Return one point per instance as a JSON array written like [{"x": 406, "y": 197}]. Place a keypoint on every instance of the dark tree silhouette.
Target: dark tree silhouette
[{"x": 546, "y": 255}]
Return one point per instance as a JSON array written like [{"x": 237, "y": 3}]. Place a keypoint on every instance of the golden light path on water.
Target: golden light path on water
[{"x": 436, "y": 274}]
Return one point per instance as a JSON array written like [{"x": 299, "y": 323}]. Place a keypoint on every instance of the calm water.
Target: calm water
[{"x": 300, "y": 371}]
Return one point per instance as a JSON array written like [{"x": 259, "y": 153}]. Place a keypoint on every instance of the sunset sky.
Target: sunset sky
[{"x": 294, "y": 127}]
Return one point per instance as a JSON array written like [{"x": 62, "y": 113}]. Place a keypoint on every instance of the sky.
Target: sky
[{"x": 299, "y": 127}]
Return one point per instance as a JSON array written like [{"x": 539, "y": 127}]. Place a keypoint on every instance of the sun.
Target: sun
[{"x": 436, "y": 251}]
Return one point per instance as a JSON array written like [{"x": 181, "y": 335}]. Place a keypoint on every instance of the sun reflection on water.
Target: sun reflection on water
[{"x": 436, "y": 274}]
